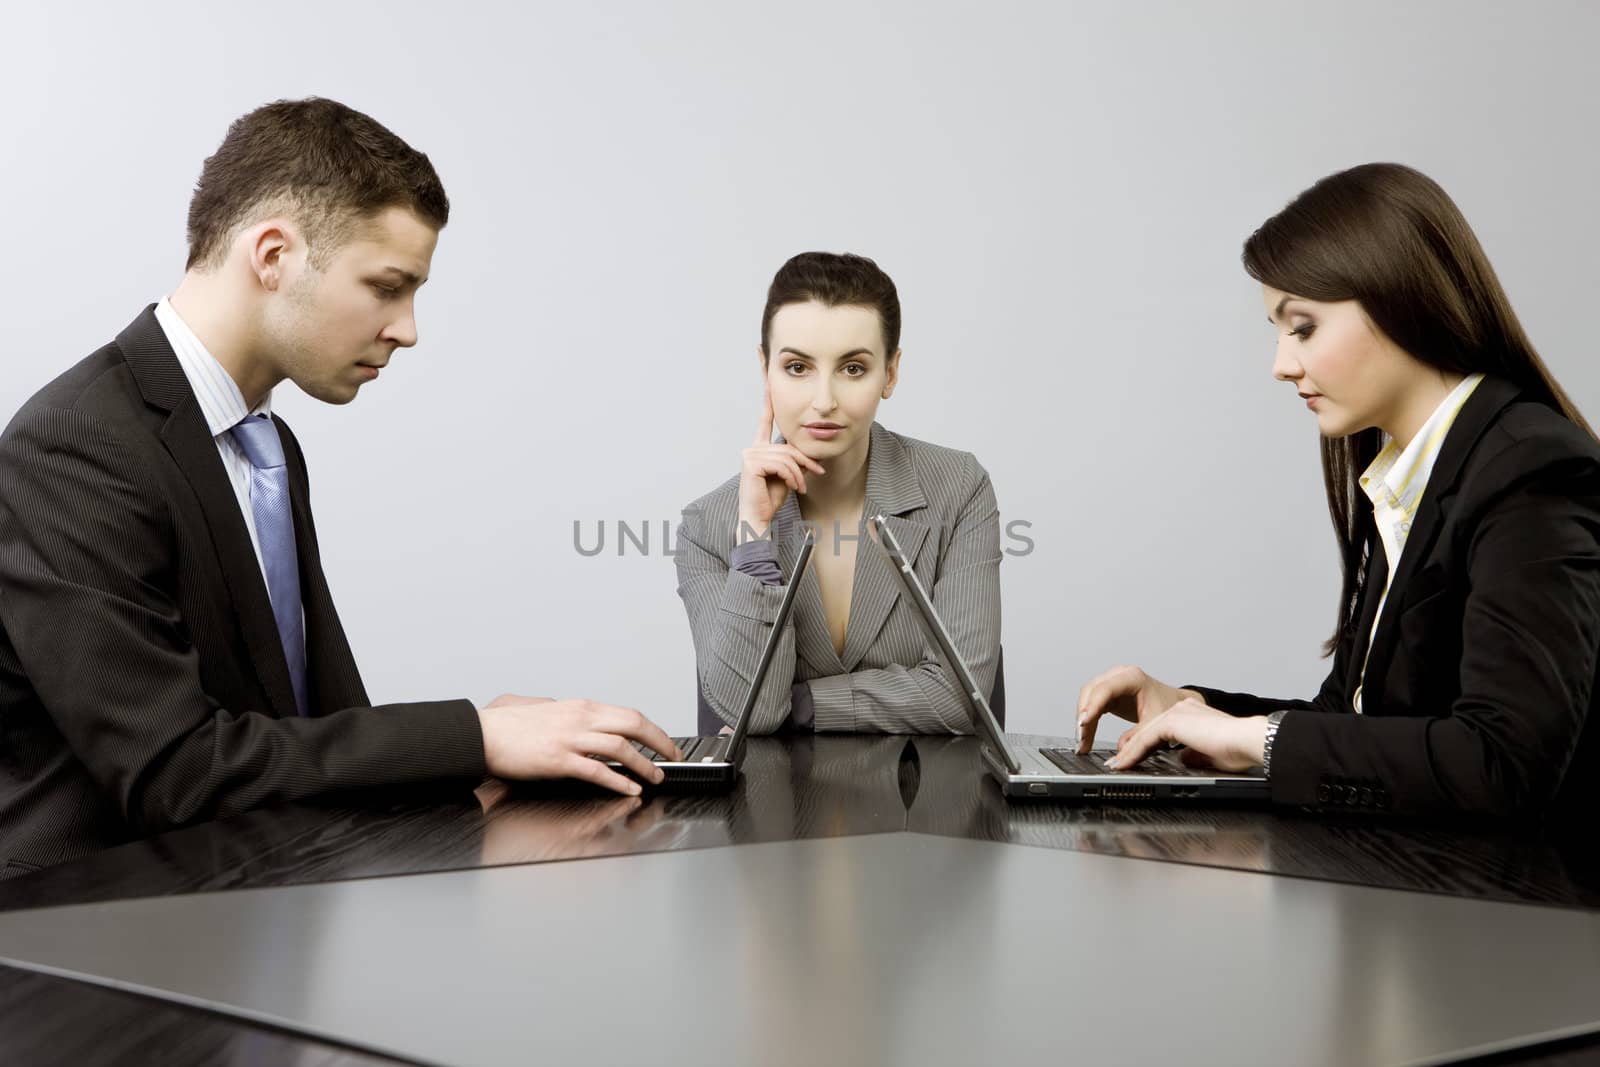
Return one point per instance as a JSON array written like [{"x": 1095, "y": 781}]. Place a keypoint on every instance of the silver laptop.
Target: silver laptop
[
  {"x": 1026, "y": 770},
  {"x": 711, "y": 764}
]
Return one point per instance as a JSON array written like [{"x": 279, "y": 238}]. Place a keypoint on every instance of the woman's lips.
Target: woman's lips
[{"x": 822, "y": 431}]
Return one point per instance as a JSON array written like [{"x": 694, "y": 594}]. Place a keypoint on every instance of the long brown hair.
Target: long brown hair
[{"x": 1389, "y": 237}]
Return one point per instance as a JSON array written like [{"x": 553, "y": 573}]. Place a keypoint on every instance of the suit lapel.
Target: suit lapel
[
  {"x": 875, "y": 590},
  {"x": 1367, "y": 608},
  {"x": 894, "y": 492},
  {"x": 1490, "y": 398},
  {"x": 333, "y": 680},
  {"x": 188, "y": 440}
]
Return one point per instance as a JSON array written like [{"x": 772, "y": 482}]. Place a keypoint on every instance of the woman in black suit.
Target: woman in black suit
[{"x": 1464, "y": 487}]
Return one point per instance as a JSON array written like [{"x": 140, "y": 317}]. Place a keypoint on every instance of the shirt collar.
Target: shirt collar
[
  {"x": 1397, "y": 477},
  {"x": 218, "y": 394}
]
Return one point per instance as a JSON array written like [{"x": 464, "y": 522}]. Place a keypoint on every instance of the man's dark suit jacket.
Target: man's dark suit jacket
[
  {"x": 142, "y": 682},
  {"x": 1479, "y": 695}
]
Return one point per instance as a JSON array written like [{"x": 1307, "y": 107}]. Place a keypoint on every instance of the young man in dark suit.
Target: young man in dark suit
[{"x": 169, "y": 648}]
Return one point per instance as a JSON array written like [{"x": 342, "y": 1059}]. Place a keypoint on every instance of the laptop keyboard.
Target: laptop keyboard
[
  {"x": 1157, "y": 764},
  {"x": 686, "y": 745}
]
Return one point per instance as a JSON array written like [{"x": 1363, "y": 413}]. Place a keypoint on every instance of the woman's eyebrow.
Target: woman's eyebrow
[
  {"x": 1277, "y": 312},
  {"x": 854, "y": 353}
]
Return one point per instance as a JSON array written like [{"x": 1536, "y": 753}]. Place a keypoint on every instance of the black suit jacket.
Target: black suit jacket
[
  {"x": 1480, "y": 689},
  {"x": 142, "y": 682}
]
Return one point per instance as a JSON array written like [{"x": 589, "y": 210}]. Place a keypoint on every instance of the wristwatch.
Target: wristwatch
[{"x": 1273, "y": 722}]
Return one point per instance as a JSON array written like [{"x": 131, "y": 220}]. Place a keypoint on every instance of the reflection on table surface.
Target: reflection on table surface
[{"x": 809, "y": 786}]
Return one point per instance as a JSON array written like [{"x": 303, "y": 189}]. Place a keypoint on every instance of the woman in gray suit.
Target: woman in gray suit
[{"x": 853, "y": 656}]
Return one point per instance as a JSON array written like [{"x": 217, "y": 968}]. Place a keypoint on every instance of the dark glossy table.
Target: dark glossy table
[{"x": 794, "y": 789}]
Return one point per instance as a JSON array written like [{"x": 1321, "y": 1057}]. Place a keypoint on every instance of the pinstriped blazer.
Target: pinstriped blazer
[
  {"x": 142, "y": 681},
  {"x": 941, "y": 506}
]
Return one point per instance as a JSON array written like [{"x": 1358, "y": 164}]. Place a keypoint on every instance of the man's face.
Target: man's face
[{"x": 330, "y": 330}]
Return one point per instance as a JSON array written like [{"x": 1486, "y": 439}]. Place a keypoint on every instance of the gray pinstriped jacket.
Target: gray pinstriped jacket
[{"x": 942, "y": 508}]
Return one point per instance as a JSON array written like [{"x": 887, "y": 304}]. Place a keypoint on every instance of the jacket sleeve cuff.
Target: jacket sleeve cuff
[
  {"x": 802, "y": 709},
  {"x": 454, "y": 740},
  {"x": 750, "y": 598},
  {"x": 1294, "y": 763},
  {"x": 833, "y": 704},
  {"x": 758, "y": 559}
]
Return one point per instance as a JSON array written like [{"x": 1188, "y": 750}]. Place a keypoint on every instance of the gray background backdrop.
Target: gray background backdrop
[{"x": 1059, "y": 190}]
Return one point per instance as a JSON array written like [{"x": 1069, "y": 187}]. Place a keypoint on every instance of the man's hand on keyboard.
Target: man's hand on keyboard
[{"x": 542, "y": 738}]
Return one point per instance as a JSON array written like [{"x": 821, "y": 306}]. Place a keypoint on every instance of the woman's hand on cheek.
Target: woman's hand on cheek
[{"x": 767, "y": 474}]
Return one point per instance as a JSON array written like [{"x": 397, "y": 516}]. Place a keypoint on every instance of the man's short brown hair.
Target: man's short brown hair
[{"x": 327, "y": 166}]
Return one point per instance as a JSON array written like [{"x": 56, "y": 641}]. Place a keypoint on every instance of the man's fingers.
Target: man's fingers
[
  {"x": 616, "y": 747},
  {"x": 656, "y": 739},
  {"x": 632, "y": 723},
  {"x": 586, "y": 769}
]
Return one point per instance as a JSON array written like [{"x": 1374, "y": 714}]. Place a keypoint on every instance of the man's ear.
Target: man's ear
[
  {"x": 268, "y": 243},
  {"x": 892, "y": 377}
]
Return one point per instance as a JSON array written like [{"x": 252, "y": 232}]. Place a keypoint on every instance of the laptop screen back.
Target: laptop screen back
[
  {"x": 983, "y": 721},
  {"x": 741, "y": 725}
]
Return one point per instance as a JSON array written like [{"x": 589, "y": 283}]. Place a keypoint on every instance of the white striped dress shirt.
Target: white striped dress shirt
[
  {"x": 1395, "y": 480},
  {"x": 223, "y": 406}
]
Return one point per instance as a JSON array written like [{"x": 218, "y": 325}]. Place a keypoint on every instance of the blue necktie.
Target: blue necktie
[{"x": 257, "y": 436}]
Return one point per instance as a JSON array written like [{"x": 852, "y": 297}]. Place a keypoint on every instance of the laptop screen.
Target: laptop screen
[
  {"x": 741, "y": 725},
  {"x": 983, "y": 721}
]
